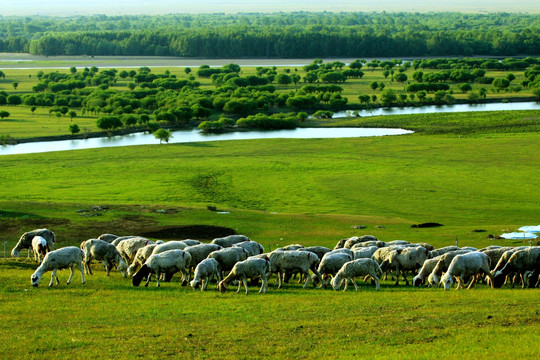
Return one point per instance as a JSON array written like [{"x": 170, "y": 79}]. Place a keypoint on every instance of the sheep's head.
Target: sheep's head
[
  {"x": 194, "y": 284},
  {"x": 122, "y": 267},
  {"x": 433, "y": 279},
  {"x": 498, "y": 279},
  {"x": 447, "y": 281},
  {"x": 417, "y": 281},
  {"x": 14, "y": 253},
  {"x": 336, "y": 284},
  {"x": 36, "y": 278}
]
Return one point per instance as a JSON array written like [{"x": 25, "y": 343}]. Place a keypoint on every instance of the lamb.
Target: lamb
[
  {"x": 468, "y": 264},
  {"x": 407, "y": 259},
  {"x": 229, "y": 241},
  {"x": 364, "y": 244},
  {"x": 107, "y": 237},
  {"x": 66, "y": 257},
  {"x": 102, "y": 250},
  {"x": 117, "y": 241},
  {"x": 140, "y": 257},
  {"x": 128, "y": 247},
  {"x": 354, "y": 268},
  {"x": 227, "y": 257},
  {"x": 331, "y": 263},
  {"x": 444, "y": 250},
  {"x": 398, "y": 242},
  {"x": 252, "y": 247},
  {"x": 282, "y": 262},
  {"x": 426, "y": 269},
  {"x": 191, "y": 242},
  {"x": 317, "y": 250},
  {"x": 365, "y": 252},
  {"x": 169, "y": 245},
  {"x": 442, "y": 265},
  {"x": 168, "y": 262},
  {"x": 25, "y": 242},
  {"x": 251, "y": 268},
  {"x": 291, "y": 247},
  {"x": 520, "y": 262},
  {"x": 206, "y": 270},
  {"x": 40, "y": 248}
]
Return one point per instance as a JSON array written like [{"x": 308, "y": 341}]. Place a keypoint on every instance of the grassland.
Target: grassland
[{"x": 468, "y": 172}]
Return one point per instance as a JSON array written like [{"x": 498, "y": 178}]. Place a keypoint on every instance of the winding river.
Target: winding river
[{"x": 188, "y": 136}]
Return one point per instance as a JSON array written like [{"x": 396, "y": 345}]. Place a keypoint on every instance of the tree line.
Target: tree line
[{"x": 302, "y": 34}]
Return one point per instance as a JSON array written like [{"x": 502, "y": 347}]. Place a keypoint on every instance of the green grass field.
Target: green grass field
[{"x": 469, "y": 172}]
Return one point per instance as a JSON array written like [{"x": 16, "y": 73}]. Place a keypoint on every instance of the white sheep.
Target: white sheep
[
  {"x": 227, "y": 257},
  {"x": 354, "y": 268},
  {"x": 108, "y": 237},
  {"x": 364, "y": 244},
  {"x": 403, "y": 260},
  {"x": 169, "y": 245},
  {"x": 63, "y": 258},
  {"x": 103, "y": 251},
  {"x": 291, "y": 247},
  {"x": 191, "y": 242},
  {"x": 169, "y": 262},
  {"x": 521, "y": 262},
  {"x": 204, "y": 272},
  {"x": 25, "y": 242},
  {"x": 503, "y": 260},
  {"x": 444, "y": 250},
  {"x": 128, "y": 247},
  {"x": 119, "y": 239},
  {"x": 282, "y": 262},
  {"x": 251, "y": 268},
  {"x": 364, "y": 252},
  {"x": 40, "y": 248},
  {"x": 230, "y": 240},
  {"x": 140, "y": 258},
  {"x": 331, "y": 263},
  {"x": 200, "y": 252},
  {"x": 426, "y": 269},
  {"x": 252, "y": 247},
  {"x": 442, "y": 265},
  {"x": 469, "y": 264},
  {"x": 317, "y": 250},
  {"x": 358, "y": 240}
]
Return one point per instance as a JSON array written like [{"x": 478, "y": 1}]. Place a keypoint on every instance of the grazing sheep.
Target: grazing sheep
[
  {"x": 128, "y": 247},
  {"x": 317, "y": 250},
  {"x": 520, "y": 262},
  {"x": 227, "y": 257},
  {"x": 407, "y": 259},
  {"x": 206, "y": 270},
  {"x": 442, "y": 265},
  {"x": 140, "y": 258},
  {"x": 191, "y": 242},
  {"x": 62, "y": 258},
  {"x": 365, "y": 244},
  {"x": 252, "y": 247},
  {"x": 364, "y": 252},
  {"x": 282, "y": 262},
  {"x": 504, "y": 259},
  {"x": 331, "y": 263},
  {"x": 398, "y": 242},
  {"x": 229, "y": 241},
  {"x": 344, "y": 251},
  {"x": 469, "y": 264},
  {"x": 495, "y": 254},
  {"x": 251, "y": 268},
  {"x": 25, "y": 242},
  {"x": 107, "y": 237},
  {"x": 444, "y": 250},
  {"x": 358, "y": 240},
  {"x": 40, "y": 248},
  {"x": 354, "y": 268},
  {"x": 291, "y": 247},
  {"x": 106, "y": 252},
  {"x": 426, "y": 269},
  {"x": 168, "y": 262},
  {"x": 340, "y": 244},
  {"x": 169, "y": 245},
  {"x": 200, "y": 252},
  {"x": 117, "y": 241}
]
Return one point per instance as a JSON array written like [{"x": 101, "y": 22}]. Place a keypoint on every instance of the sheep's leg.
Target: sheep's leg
[
  {"x": 244, "y": 280},
  {"x": 317, "y": 274},
  {"x": 239, "y": 286},
  {"x": 522, "y": 280},
  {"x": 354, "y": 283},
  {"x": 346, "y": 284},
  {"x": 404, "y": 272},
  {"x": 279, "y": 280},
  {"x": 71, "y": 274},
  {"x": 158, "y": 275},
  {"x": 377, "y": 284},
  {"x": 52, "y": 278},
  {"x": 107, "y": 267},
  {"x": 473, "y": 282},
  {"x": 264, "y": 286},
  {"x": 81, "y": 269},
  {"x": 204, "y": 283},
  {"x": 308, "y": 280},
  {"x": 460, "y": 282},
  {"x": 148, "y": 279}
]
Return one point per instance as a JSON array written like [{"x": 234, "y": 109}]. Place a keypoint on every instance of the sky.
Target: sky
[{"x": 153, "y": 7}]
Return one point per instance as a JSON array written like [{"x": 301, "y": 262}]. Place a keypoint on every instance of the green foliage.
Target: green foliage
[
  {"x": 266, "y": 122},
  {"x": 4, "y": 114},
  {"x": 14, "y": 99},
  {"x": 74, "y": 129},
  {"x": 162, "y": 135},
  {"x": 109, "y": 122}
]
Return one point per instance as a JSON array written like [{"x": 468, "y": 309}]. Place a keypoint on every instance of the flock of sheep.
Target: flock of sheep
[{"x": 237, "y": 258}]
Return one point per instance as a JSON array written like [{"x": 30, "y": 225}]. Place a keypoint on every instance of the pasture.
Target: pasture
[{"x": 467, "y": 172}]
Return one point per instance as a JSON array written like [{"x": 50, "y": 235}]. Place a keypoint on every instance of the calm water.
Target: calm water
[
  {"x": 187, "y": 136},
  {"x": 443, "y": 108}
]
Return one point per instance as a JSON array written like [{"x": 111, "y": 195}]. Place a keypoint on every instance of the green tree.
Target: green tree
[
  {"x": 72, "y": 114},
  {"x": 500, "y": 84},
  {"x": 74, "y": 129},
  {"x": 388, "y": 97},
  {"x": 162, "y": 135},
  {"x": 109, "y": 122},
  {"x": 4, "y": 114},
  {"x": 73, "y": 69},
  {"x": 15, "y": 84},
  {"x": 400, "y": 77},
  {"x": 374, "y": 85},
  {"x": 465, "y": 87},
  {"x": 14, "y": 100},
  {"x": 132, "y": 86},
  {"x": 283, "y": 79},
  {"x": 33, "y": 108},
  {"x": 187, "y": 70}
]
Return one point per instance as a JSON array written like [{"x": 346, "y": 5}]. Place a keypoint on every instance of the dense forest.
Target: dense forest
[{"x": 279, "y": 35}]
